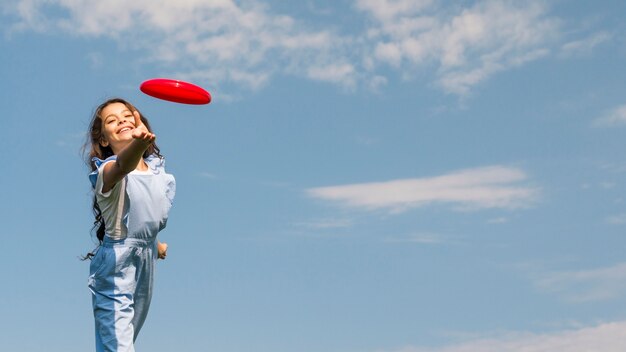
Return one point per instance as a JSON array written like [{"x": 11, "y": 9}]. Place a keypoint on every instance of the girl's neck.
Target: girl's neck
[{"x": 142, "y": 166}]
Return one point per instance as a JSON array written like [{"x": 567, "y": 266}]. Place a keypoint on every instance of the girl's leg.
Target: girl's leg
[
  {"x": 114, "y": 329},
  {"x": 113, "y": 286},
  {"x": 145, "y": 264}
]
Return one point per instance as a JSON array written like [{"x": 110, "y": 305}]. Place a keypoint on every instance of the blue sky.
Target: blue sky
[{"x": 371, "y": 176}]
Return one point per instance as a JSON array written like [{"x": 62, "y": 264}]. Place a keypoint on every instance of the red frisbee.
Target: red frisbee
[{"x": 176, "y": 91}]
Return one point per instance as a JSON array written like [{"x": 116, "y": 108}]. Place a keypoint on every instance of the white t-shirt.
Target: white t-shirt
[{"x": 113, "y": 205}]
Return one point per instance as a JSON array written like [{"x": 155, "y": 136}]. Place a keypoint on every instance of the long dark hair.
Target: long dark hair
[{"x": 96, "y": 150}]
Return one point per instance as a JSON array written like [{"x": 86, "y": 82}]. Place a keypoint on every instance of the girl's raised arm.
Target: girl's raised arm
[{"x": 128, "y": 157}]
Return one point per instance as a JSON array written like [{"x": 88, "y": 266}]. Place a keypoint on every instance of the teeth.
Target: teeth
[{"x": 124, "y": 129}]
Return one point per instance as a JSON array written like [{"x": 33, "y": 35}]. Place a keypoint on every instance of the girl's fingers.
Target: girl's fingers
[
  {"x": 137, "y": 119},
  {"x": 138, "y": 133},
  {"x": 144, "y": 135}
]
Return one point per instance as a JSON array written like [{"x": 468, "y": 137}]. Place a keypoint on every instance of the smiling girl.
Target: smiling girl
[{"x": 132, "y": 198}]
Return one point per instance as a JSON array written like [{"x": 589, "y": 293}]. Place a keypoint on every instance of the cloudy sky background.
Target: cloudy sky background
[{"x": 372, "y": 175}]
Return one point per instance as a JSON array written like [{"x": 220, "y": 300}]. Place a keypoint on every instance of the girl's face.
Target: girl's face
[{"x": 118, "y": 123}]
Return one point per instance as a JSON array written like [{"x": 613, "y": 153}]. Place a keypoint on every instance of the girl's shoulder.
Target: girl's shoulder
[
  {"x": 98, "y": 162},
  {"x": 93, "y": 176}
]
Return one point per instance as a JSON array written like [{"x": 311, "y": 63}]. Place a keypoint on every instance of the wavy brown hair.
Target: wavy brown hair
[{"x": 94, "y": 149}]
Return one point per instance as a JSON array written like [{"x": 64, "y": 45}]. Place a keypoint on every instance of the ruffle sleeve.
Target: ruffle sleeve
[
  {"x": 157, "y": 165},
  {"x": 93, "y": 176}
]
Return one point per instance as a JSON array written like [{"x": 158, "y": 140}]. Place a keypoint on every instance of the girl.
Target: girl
[{"x": 132, "y": 197}]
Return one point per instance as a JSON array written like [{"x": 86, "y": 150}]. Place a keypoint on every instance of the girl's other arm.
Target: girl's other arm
[{"x": 162, "y": 249}]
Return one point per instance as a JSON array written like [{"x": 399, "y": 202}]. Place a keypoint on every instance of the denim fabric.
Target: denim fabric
[{"x": 121, "y": 274}]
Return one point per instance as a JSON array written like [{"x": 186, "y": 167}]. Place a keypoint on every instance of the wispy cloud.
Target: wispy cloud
[
  {"x": 326, "y": 224},
  {"x": 221, "y": 41},
  {"x": 618, "y": 219},
  {"x": 425, "y": 238},
  {"x": 335, "y": 73},
  {"x": 614, "y": 117},
  {"x": 207, "y": 175},
  {"x": 487, "y": 187},
  {"x": 467, "y": 46},
  {"x": 607, "y": 337},
  {"x": 74, "y": 140},
  {"x": 245, "y": 43},
  {"x": 585, "y": 45},
  {"x": 586, "y": 285},
  {"x": 500, "y": 220},
  {"x": 613, "y": 167}
]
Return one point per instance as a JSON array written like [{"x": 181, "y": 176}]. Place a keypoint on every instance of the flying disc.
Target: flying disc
[{"x": 176, "y": 91}]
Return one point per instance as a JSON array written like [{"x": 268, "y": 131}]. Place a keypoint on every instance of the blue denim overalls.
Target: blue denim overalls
[{"x": 121, "y": 273}]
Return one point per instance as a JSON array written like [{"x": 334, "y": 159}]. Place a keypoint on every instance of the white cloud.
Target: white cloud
[
  {"x": 468, "y": 46},
  {"x": 607, "y": 337},
  {"x": 616, "y": 116},
  {"x": 29, "y": 14},
  {"x": 586, "y": 285},
  {"x": 487, "y": 187},
  {"x": 238, "y": 42},
  {"x": 389, "y": 10},
  {"x": 335, "y": 73},
  {"x": 389, "y": 52},
  {"x": 244, "y": 43}
]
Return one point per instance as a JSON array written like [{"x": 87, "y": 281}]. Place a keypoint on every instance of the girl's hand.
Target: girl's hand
[
  {"x": 141, "y": 131},
  {"x": 162, "y": 249}
]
